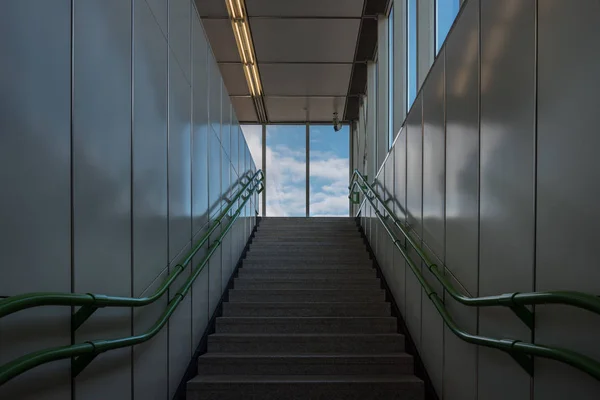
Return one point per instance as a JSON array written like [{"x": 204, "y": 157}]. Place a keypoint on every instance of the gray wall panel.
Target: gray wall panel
[
  {"x": 150, "y": 220},
  {"x": 150, "y": 358},
  {"x": 180, "y": 327},
  {"x": 460, "y": 358},
  {"x": 160, "y": 10},
  {"x": 102, "y": 183},
  {"x": 568, "y": 187},
  {"x": 180, "y": 12},
  {"x": 179, "y": 160},
  {"x": 414, "y": 191},
  {"x": 215, "y": 82},
  {"x": 214, "y": 278},
  {"x": 400, "y": 210},
  {"x": 507, "y": 168},
  {"x": 433, "y": 153},
  {"x": 434, "y": 179},
  {"x": 462, "y": 147},
  {"x": 225, "y": 120},
  {"x": 35, "y": 117},
  {"x": 124, "y": 216},
  {"x": 200, "y": 293},
  {"x": 414, "y": 169},
  {"x": 201, "y": 129},
  {"x": 234, "y": 148},
  {"x": 389, "y": 199},
  {"x": 214, "y": 177}
]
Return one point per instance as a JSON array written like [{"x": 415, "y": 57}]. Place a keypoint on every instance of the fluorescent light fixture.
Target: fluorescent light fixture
[
  {"x": 248, "y": 43},
  {"x": 238, "y": 38},
  {"x": 243, "y": 38}
]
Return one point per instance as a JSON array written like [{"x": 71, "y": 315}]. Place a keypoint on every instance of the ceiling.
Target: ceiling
[{"x": 311, "y": 56}]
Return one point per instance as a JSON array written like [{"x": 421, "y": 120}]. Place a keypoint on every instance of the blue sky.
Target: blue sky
[{"x": 286, "y": 168}]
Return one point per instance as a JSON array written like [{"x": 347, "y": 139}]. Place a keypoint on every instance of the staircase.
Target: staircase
[{"x": 306, "y": 319}]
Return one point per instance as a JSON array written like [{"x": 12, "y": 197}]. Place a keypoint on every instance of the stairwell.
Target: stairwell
[{"x": 307, "y": 319}]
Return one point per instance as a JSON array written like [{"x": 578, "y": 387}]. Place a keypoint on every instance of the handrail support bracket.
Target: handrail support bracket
[
  {"x": 525, "y": 361},
  {"x": 524, "y": 315},
  {"x": 81, "y": 316},
  {"x": 78, "y": 364}
]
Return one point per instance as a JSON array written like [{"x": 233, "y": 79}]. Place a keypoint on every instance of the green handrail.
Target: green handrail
[
  {"x": 28, "y": 300},
  {"x": 83, "y": 353},
  {"x": 516, "y": 301},
  {"x": 520, "y": 351}
]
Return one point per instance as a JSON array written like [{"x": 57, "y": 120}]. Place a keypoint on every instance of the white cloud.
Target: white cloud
[{"x": 286, "y": 178}]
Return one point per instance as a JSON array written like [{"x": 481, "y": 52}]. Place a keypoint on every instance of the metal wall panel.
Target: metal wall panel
[
  {"x": 225, "y": 196},
  {"x": 507, "y": 178},
  {"x": 462, "y": 191},
  {"x": 150, "y": 220},
  {"x": 225, "y": 120},
  {"x": 150, "y": 359},
  {"x": 180, "y": 223},
  {"x": 102, "y": 118},
  {"x": 180, "y": 327},
  {"x": 462, "y": 147},
  {"x": 234, "y": 148},
  {"x": 434, "y": 162},
  {"x": 389, "y": 198},
  {"x": 214, "y": 174},
  {"x": 568, "y": 187},
  {"x": 433, "y": 214},
  {"x": 179, "y": 34},
  {"x": 460, "y": 358},
  {"x": 215, "y": 83},
  {"x": 200, "y": 127},
  {"x": 160, "y": 10},
  {"x": 399, "y": 276},
  {"x": 414, "y": 191},
  {"x": 35, "y": 162},
  {"x": 119, "y": 151},
  {"x": 200, "y": 293}
]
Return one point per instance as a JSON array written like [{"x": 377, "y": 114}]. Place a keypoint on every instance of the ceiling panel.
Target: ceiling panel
[
  {"x": 235, "y": 80},
  {"x": 304, "y": 40},
  {"x": 294, "y": 109},
  {"x": 211, "y": 8},
  {"x": 244, "y": 109},
  {"x": 305, "y": 79},
  {"x": 305, "y": 8},
  {"x": 322, "y": 108},
  {"x": 221, "y": 39}
]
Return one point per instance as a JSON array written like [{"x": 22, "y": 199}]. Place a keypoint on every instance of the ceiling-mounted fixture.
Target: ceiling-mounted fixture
[{"x": 243, "y": 38}]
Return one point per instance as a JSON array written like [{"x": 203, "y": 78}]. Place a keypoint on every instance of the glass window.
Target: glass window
[
  {"x": 391, "y": 77},
  {"x": 253, "y": 135},
  {"x": 286, "y": 171},
  {"x": 329, "y": 171},
  {"x": 445, "y": 13},
  {"x": 412, "y": 52}
]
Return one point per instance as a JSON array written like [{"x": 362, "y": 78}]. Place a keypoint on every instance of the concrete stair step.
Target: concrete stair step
[
  {"x": 305, "y": 364},
  {"x": 306, "y": 343},
  {"x": 305, "y": 387},
  {"x": 307, "y": 283},
  {"x": 302, "y": 264},
  {"x": 308, "y": 239},
  {"x": 276, "y": 252},
  {"x": 337, "y": 221},
  {"x": 373, "y": 309},
  {"x": 304, "y": 273},
  {"x": 317, "y": 234},
  {"x": 303, "y": 295},
  {"x": 310, "y": 258},
  {"x": 306, "y": 325},
  {"x": 312, "y": 245}
]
